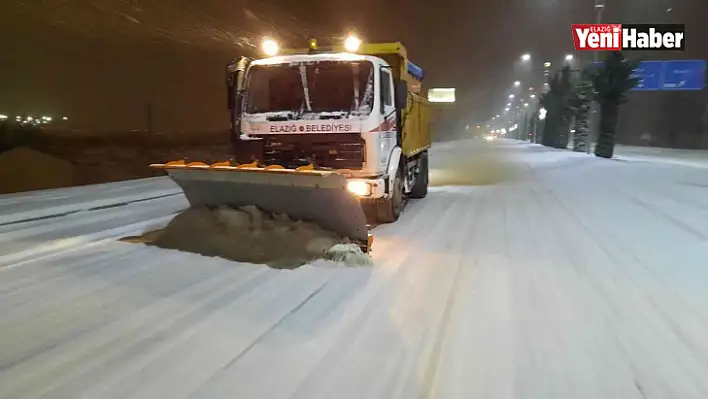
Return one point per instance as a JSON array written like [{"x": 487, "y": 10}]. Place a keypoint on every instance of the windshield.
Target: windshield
[{"x": 329, "y": 86}]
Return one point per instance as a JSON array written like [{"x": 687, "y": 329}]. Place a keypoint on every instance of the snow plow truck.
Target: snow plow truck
[{"x": 338, "y": 136}]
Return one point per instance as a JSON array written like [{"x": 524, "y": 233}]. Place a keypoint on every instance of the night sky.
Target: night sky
[{"x": 102, "y": 62}]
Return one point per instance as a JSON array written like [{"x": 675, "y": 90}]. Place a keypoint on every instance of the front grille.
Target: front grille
[{"x": 326, "y": 150}]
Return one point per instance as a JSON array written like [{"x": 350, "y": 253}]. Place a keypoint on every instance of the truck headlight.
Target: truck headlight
[
  {"x": 270, "y": 47},
  {"x": 359, "y": 188},
  {"x": 352, "y": 44}
]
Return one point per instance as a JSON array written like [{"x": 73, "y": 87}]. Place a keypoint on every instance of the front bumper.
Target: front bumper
[{"x": 367, "y": 187}]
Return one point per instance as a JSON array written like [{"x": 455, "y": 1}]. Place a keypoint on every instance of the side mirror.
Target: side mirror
[
  {"x": 402, "y": 95},
  {"x": 235, "y": 72},
  {"x": 230, "y": 88},
  {"x": 382, "y": 95}
]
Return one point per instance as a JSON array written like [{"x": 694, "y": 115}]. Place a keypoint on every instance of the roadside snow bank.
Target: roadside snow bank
[
  {"x": 23, "y": 169},
  {"x": 538, "y": 153},
  {"x": 247, "y": 234}
]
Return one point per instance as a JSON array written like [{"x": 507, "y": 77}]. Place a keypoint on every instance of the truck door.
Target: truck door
[{"x": 388, "y": 107}]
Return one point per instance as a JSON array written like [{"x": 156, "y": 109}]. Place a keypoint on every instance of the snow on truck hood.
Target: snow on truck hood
[
  {"x": 288, "y": 116},
  {"x": 284, "y": 59}
]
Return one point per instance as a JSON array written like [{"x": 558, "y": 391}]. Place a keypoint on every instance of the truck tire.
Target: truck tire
[
  {"x": 388, "y": 210},
  {"x": 420, "y": 188}
]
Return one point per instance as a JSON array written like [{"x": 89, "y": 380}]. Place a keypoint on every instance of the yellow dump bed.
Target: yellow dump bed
[
  {"x": 417, "y": 116},
  {"x": 416, "y": 125}
]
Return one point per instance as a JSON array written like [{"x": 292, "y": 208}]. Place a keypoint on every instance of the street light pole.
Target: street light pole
[{"x": 599, "y": 7}]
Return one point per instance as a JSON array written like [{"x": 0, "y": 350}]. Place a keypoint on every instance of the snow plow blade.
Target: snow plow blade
[{"x": 306, "y": 194}]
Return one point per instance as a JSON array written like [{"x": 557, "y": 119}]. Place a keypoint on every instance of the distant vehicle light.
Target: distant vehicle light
[{"x": 270, "y": 47}]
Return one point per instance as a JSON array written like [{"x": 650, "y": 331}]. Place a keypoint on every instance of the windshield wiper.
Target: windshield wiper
[
  {"x": 306, "y": 91},
  {"x": 282, "y": 116}
]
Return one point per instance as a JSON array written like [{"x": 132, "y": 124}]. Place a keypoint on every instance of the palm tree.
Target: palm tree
[
  {"x": 548, "y": 128},
  {"x": 556, "y": 102},
  {"x": 704, "y": 136},
  {"x": 565, "y": 92},
  {"x": 611, "y": 86},
  {"x": 537, "y": 125},
  {"x": 524, "y": 128},
  {"x": 580, "y": 104}
]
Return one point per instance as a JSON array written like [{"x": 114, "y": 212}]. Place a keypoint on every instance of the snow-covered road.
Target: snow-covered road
[
  {"x": 695, "y": 158},
  {"x": 526, "y": 273}
]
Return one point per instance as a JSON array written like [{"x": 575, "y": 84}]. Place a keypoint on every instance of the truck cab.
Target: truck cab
[{"x": 356, "y": 111}]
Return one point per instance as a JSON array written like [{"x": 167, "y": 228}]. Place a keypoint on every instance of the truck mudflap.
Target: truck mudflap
[{"x": 304, "y": 193}]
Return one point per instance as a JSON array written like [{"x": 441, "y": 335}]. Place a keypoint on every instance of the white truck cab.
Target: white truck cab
[{"x": 336, "y": 110}]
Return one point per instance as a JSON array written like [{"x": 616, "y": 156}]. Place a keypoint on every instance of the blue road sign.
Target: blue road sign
[
  {"x": 669, "y": 75},
  {"x": 684, "y": 75},
  {"x": 650, "y": 75}
]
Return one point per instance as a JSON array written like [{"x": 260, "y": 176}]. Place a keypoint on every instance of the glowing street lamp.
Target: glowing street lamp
[
  {"x": 542, "y": 114},
  {"x": 511, "y": 96},
  {"x": 517, "y": 84},
  {"x": 526, "y": 57},
  {"x": 569, "y": 57}
]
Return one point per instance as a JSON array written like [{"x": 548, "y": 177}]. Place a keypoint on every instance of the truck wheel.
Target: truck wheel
[
  {"x": 420, "y": 188},
  {"x": 389, "y": 209}
]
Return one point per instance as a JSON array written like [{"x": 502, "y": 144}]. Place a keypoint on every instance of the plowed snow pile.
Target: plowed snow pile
[
  {"x": 23, "y": 169},
  {"x": 247, "y": 234}
]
